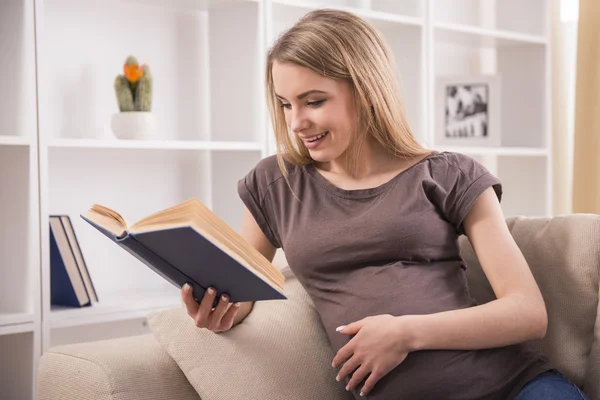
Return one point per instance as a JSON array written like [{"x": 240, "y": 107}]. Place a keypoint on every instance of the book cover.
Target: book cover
[
  {"x": 66, "y": 284},
  {"x": 81, "y": 264},
  {"x": 182, "y": 255}
]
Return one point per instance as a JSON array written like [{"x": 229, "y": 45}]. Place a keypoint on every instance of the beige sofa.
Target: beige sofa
[{"x": 563, "y": 253}]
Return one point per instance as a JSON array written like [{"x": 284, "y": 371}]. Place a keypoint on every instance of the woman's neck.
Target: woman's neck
[{"x": 374, "y": 159}]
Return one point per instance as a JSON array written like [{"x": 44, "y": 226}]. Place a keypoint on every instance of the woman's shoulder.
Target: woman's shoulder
[
  {"x": 452, "y": 159},
  {"x": 267, "y": 171},
  {"x": 443, "y": 164}
]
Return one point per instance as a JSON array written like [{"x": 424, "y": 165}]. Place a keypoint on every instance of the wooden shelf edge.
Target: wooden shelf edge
[
  {"x": 153, "y": 144},
  {"x": 17, "y": 328},
  {"x": 362, "y": 12},
  {"x": 492, "y": 33},
  {"x": 15, "y": 319},
  {"x": 15, "y": 140},
  {"x": 65, "y": 318},
  {"x": 186, "y": 5}
]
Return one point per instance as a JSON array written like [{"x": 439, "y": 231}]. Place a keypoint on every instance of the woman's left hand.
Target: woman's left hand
[{"x": 380, "y": 345}]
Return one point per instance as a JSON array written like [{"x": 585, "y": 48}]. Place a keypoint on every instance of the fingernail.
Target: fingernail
[
  {"x": 236, "y": 304},
  {"x": 348, "y": 388},
  {"x": 211, "y": 291},
  {"x": 337, "y": 378},
  {"x": 186, "y": 286},
  {"x": 339, "y": 328},
  {"x": 362, "y": 394},
  {"x": 223, "y": 298}
]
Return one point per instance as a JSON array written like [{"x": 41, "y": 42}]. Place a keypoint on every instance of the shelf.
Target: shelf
[
  {"x": 113, "y": 308},
  {"x": 14, "y": 140},
  {"x": 17, "y": 365},
  {"x": 190, "y": 5},
  {"x": 367, "y": 14},
  {"x": 498, "y": 151},
  {"x": 153, "y": 144},
  {"x": 482, "y": 37},
  {"x": 17, "y": 328},
  {"x": 15, "y": 319}
]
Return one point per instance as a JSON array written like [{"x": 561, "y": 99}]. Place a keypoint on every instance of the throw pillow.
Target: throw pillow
[{"x": 280, "y": 351}]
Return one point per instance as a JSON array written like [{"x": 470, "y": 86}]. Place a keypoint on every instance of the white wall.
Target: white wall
[{"x": 563, "y": 86}]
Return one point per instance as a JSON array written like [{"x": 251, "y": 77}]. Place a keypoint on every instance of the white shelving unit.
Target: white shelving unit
[
  {"x": 209, "y": 123},
  {"x": 20, "y": 313},
  {"x": 510, "y": 39},
  {"x": 58, "y": 155}
]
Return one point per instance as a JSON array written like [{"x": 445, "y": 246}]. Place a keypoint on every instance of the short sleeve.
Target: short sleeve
[
  {"x": 459, "y": 181},
  {"x": 251, "y": 190}
]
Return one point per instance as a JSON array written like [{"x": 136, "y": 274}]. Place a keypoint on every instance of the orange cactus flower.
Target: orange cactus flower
[{"x": 132, "y": 72}]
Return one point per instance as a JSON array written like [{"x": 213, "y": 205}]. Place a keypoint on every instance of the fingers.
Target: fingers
[
  {"x": 215, "y": 318},
  {"x": 347, "y": 368},
  {"x": 371, "y": 381},
  {"x": 229, "y": 317},
  {"x": 205, "y": 316},
  {"x": 202, "y": 317},
  {"x": 188, "y": 299},
  {"x": 357, "y": 377},
  {"x": 343, "y": 354}
]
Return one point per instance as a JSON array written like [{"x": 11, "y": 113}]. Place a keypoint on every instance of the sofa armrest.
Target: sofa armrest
[{"x": 132, "y": 368}]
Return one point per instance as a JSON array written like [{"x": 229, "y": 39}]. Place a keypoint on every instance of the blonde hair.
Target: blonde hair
[{"x": 339, "y": 45}]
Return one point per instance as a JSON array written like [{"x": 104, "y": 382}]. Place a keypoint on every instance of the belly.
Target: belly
[
  {"x": 397, "y": 289},
  {"x": 491, "y": 374},
  {"x": 419, "y": 289}
]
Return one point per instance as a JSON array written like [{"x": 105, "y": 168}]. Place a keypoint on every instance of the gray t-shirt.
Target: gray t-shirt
[{"x": 392, "y": 249}]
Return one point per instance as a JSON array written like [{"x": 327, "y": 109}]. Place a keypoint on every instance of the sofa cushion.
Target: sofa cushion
[
  {"x": 128, "y": 368},
  {"x": 563, "y": 253},
  {"x": 280, "y": 351}
]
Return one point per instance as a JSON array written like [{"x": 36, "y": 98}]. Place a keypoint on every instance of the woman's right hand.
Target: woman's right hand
[{"x": 217, "y": 319}]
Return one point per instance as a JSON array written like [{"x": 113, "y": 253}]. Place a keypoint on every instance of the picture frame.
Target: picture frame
[{"x": 468, "y": 111}]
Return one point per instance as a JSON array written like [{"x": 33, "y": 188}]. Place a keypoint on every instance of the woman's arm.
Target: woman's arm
[
  {"x": 252, "y": 233},
  {"x": 518, "y": 314}
]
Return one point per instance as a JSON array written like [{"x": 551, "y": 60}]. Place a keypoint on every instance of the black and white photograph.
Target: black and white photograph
[{"x": 468, "y": 111}]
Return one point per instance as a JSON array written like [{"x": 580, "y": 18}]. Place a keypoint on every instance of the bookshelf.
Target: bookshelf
[
  {"x": 58, "y": 154},
  {"x": 20, "y": 312}
]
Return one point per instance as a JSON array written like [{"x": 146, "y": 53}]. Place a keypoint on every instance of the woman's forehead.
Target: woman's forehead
[{"x": 293, "y": 80}]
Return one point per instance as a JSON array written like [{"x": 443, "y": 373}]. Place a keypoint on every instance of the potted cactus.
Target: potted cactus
[{"x": 134, "y": 97}]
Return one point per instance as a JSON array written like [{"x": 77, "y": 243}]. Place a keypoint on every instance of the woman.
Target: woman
[{"x": 370, "y": 221}]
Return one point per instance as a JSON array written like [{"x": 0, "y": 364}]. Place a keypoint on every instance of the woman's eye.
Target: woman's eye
[{"x": 315, "y": 103}]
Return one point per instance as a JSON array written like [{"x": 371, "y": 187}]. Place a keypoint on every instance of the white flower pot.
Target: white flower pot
[{"x": 133, "y": 125}]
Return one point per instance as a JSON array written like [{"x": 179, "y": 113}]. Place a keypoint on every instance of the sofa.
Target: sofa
[{"x": 280, "y": 351}]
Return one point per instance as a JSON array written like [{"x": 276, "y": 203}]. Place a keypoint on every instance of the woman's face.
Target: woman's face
[{"x": 318, "y": 110}]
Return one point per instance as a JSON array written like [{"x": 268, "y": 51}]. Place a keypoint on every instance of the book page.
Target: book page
[
  {"x": 108, "y": 219},
  {"x": 195, "y": 214}
]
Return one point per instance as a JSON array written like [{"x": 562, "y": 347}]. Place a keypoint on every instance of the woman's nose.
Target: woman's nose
[{"x": 298, "y": 121}]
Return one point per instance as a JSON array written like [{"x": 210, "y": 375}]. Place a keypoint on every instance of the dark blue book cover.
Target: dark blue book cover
[
  {"x": 62, "y": 291},
  {"x": 182, "y": 255}
]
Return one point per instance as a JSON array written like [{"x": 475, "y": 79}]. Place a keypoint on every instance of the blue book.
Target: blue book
[
  {"x": 188, "y": 243},
  {"x": 67, "y": 287}
]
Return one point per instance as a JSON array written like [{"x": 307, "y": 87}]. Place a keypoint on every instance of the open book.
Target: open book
[{"x": 188, "y": 243}]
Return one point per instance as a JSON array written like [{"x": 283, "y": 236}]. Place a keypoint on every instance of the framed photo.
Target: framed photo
[{"x": 467, "y": 111}]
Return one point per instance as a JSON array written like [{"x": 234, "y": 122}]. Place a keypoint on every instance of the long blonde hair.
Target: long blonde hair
[{"x": 339, "y": 45}]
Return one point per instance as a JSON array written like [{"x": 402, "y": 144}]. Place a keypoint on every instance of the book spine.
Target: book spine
[
  {"x": 74, "y": 258},
  {"x": 63, "y": 287}
]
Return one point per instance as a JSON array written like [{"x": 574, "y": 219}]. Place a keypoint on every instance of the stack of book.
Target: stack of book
[{"x": 70, "y": 281}]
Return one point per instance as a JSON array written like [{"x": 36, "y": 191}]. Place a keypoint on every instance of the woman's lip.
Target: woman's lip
[
  {"x": 308, "y": 138},
  {"x": 312, "y": 145}
]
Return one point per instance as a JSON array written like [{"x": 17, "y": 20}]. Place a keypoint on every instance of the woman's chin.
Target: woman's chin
[{"x": 320, "y": 155}]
